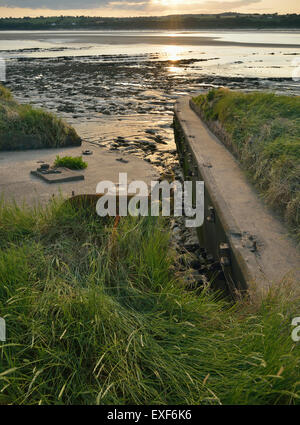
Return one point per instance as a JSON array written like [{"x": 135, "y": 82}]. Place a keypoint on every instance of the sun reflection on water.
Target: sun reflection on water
[{"x": 172, "y": 52}]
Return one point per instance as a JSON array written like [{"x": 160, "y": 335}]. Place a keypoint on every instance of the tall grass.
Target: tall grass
[
  {"x": 5, "y": 94},
  {"x": 23, "y": 127},
  {"x": 263, "y": 130},
  {"x": 97, "y": 316}
]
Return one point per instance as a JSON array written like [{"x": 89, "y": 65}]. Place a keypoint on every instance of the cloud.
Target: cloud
[
  {"x": 197, "y": 5},
  {"x": 55, "y": 4},
  {"x": 227, "y": 5},
  {"x": 194, "y": 6},
  {"x": 129, "y": 5}
]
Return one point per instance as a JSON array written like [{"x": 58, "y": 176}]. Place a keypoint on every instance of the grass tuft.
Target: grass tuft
[{"x": 74, "y": 163}]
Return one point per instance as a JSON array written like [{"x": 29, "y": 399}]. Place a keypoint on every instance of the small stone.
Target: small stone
[{"x": 124, "y": 161}]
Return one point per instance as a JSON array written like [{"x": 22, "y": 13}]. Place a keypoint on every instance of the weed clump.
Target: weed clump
[{"x": 74, "y": 163}]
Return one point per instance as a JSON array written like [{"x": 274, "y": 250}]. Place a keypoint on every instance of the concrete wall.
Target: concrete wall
[{"x": 239, "y": 231}]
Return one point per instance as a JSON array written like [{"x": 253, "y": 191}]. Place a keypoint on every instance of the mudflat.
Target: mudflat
[{"x": 114, "y": 39}]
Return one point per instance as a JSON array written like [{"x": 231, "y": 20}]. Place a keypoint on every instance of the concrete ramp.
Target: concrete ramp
[{"x": 252, "y": 245}]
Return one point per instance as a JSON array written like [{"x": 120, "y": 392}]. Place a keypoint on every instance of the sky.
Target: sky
[{"x": 20, "y": 8}]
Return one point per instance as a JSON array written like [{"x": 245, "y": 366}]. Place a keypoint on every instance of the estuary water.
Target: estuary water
[
  {"x": 118, "y": 88},
  {"x": 261, "y": 54}
]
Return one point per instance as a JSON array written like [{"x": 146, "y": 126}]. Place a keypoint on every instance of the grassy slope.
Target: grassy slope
[
  {"x": 263, "y": 130},
  {"x": 22, "y": 127},
  {"x": 93, "y": 319}
]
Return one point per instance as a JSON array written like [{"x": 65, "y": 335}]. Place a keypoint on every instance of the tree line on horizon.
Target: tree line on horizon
[{"x": 226, "y": 20}]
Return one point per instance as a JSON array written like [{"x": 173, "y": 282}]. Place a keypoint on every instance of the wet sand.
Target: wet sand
[{"x": 111, "y": 39}]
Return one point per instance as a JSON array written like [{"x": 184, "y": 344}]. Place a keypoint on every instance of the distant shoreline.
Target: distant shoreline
[
  {"x": 173, "y": 30},
  {"x": 152, "y": 30},
  {"x": 172, "y": 22}
]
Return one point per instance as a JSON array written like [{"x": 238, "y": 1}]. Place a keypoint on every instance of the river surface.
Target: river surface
[{"x": 225, "y": 53}]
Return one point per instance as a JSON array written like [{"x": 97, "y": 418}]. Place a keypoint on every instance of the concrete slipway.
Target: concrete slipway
[{"x": 251, "y": 243}]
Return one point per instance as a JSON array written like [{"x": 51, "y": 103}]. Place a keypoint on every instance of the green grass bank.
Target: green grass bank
[
  {"x": 23, "y": 127},
  {"x": 97, "y": 317},
  {"x": 263, "y": 131}
]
